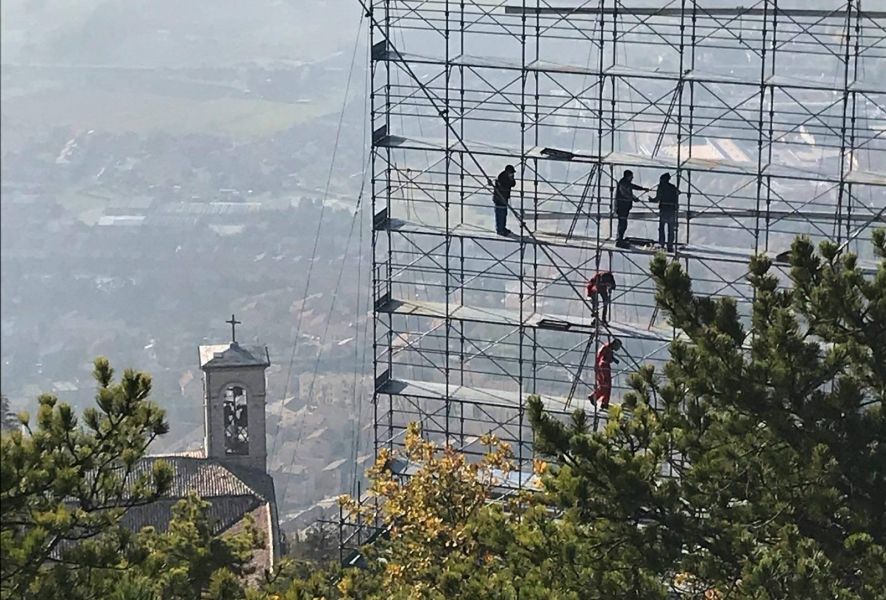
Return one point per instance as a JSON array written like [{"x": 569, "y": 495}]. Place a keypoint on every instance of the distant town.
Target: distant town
[{"x": 141, "y": 207}]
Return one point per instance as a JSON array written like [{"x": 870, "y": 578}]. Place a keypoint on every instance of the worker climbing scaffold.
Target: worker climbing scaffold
[
  {"x": 605, "y": 358},
  {"x": 599, "y": 291}
]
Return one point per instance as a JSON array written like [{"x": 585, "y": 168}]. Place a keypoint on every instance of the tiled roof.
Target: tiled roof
[
  {"x": 224, "y": 513},
  {"x": 233, "y": 355},
  {"x": 232, "y": 493},
  {"x": 186, "y": 454},
  {"x": 207, "y": 478},
  {"x": 259, "y": 482}
]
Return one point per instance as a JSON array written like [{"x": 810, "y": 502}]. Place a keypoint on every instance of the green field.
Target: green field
[{"x": 122, "y": 111}]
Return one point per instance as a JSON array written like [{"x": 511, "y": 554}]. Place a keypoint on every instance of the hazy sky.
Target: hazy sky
[{"x": 173, "y": 33}]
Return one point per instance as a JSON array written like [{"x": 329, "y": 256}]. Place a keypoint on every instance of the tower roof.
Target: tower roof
[{"x": 220, "y": 356}]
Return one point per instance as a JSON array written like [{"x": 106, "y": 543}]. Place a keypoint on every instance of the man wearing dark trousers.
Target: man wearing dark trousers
[
  {"x": 601, "y": 286},
  {"x": 624, "y": 202},
  {"x": 667, "y": 198},
  {"x": 501, "y": 195}
]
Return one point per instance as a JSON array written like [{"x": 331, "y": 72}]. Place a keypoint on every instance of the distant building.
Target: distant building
[{"x": 230, "y": 472}]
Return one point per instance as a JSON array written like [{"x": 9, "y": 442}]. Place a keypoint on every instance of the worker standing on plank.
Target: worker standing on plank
[
  {"x": 667, "y": 197},
  {"x": 501, "y": 195},
  {"x": 605, "y": 358},
  {"x": 624, "y": 201},
  {"x": 600, "y": 287}
]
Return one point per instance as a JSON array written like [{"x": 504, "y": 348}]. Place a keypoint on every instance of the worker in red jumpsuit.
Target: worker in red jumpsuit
[
  {"x": 600, "y": 287},
  {"x": 605, "y": 358}
]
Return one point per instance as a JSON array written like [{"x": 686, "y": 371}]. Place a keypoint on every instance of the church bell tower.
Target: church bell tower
[{"x": 234, "y": 402}]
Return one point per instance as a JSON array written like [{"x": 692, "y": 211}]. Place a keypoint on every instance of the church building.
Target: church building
[{"x": 230, "y": 472}]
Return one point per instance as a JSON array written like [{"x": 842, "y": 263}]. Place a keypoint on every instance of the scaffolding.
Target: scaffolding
[{"x": 770, "y": 119}]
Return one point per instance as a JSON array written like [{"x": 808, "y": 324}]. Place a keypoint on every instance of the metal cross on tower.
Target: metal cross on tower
[{"x": 233, "y": 322}]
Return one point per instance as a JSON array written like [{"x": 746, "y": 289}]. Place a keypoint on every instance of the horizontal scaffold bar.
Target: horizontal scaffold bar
[
  {"x": 808, "y": 216},
  {"x": 738, "y": 11}
]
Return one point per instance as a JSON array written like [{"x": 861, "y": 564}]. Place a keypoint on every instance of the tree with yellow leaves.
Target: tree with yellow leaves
[{"x": 446, "y": 538}]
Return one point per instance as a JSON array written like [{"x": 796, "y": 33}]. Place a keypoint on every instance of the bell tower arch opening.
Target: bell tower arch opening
[{"x": 236, "y": 415}]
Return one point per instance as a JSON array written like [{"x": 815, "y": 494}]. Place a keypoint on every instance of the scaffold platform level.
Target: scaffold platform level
[
  {"x": 512, "y": 318},
  {"x": 503, "y": 483},
  {"x": 622, "y": 159},
  {"x": 644, "y": 214},
  {"x": 481, "y": 396},
  {"x": 775, "y": 81},
  {"x": 470, "y": 231},
  {"x": 481, "y": 411}
]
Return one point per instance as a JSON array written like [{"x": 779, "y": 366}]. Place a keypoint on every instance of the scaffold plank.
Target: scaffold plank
[
  {"x": 621, "y": 159},
  {"x": 505, "y": 483},
  {"x": 472, "y": 61},
  {"x": 481, "y": 396},
  {"x": 511, "y": 480},
  {"x": 734, "y": 255},
  {"x": 862, "y": 86},
  {"x": 739, "y": 256},
  {"x": 866, "y": 178},
  {"x": 511, "y": 318}
]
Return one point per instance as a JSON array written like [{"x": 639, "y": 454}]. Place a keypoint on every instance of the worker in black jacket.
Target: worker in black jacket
[
  {"x": 501, "y": 194},
  {"x": 667, "y": 198},
  {"x": 624, "y": 201},
  {"x": 601, "y": 286}
]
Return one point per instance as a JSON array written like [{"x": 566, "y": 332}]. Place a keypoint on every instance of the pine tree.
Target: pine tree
[
  {"x": 65, "y": 487},
  {"x": 63, "y": 483},
  {"x": 776, "y": 435},
  {"x": 185, "y": 562},
  {"x": 188, "y": 561},
  {"x": 8, "y": 420}
]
